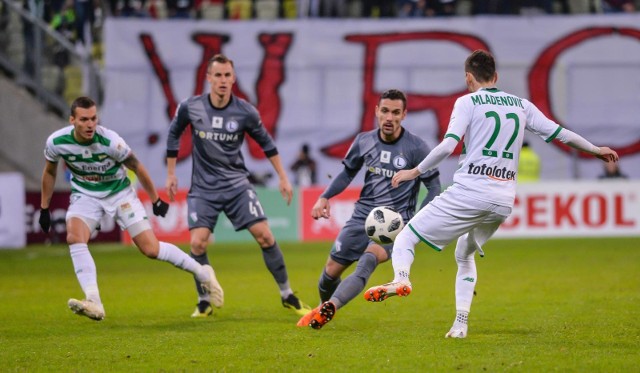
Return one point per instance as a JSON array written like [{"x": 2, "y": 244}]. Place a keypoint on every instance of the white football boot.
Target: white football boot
[
  {"x": 458, "y": 330},
  {"x": 87, "y": 308},
  {"x": 212, "y": 286}
]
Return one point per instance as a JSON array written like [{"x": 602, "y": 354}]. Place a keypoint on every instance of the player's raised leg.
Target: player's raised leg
[
  {"x": 152, "y": 248},
  {"x": 402, "y": 259}
]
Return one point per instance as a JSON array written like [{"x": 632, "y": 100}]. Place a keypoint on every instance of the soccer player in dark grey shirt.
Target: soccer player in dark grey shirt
[
  {"x": 219, "y": 181},
  {"x": 381, "y": 152}
]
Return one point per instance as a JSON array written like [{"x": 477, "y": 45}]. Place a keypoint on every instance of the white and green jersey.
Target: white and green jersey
[
  {"x": 492, "y": 123},
  {"x": 96, "y": 167}
]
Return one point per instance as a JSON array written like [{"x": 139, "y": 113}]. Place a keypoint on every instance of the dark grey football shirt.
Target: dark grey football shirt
[
  {"x": 217, "y": 135},
  {"x": 382, "y": 160}
]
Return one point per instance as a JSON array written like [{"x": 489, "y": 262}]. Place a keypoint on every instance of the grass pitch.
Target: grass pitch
[{"x": 542, "y": 305}]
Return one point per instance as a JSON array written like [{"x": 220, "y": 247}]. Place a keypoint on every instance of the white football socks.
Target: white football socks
[
  {"x": 403, "y": 255},
  {"x": 172, "y": 254},
  {"x": 85, "y": 269}
]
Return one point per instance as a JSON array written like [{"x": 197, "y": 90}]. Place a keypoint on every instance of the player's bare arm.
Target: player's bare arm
[
  {"x": 141, "y": 172},
  {"x": 172, "y": 180},
  {"x": 321, "y": 209},
  {"x": 607, "y": 154},
  {"x": 286, "y": 190},
  {"x": 48, "y": 181},
  {"x": 404, "y": 175}
]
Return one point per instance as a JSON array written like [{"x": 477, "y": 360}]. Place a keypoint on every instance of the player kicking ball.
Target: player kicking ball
[
  {"x": 95, "y": 156},
  {"x": 492, "y": 123},
  {"x": 381, "y": 152}
]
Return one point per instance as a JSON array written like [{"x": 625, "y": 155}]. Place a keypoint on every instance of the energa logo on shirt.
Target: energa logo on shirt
[{"x": 493, "y": 172}]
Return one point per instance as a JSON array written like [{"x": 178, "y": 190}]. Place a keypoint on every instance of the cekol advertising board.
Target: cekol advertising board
[
  {"x": 575, "y": 209},
  {"x": 550, "y": 209}
]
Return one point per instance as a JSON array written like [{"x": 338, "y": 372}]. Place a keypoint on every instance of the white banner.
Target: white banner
[
  {"x": 12, "y": 211},
  {"x": 571, "y": 209},
  {"x": 318, "y": 81}
]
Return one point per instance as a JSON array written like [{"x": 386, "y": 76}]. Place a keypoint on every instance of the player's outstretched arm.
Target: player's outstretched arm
[
  {"x": 404, "y": 175},
  {"x": 578, "y": 142},
  {"x": 431, "y": 161}
]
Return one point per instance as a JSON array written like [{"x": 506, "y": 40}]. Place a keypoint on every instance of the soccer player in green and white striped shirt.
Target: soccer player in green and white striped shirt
[{"x": 96, "y": 158}]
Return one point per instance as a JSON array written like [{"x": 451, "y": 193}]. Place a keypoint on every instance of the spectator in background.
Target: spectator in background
[
  {"x": 85, "y": 17},
  {"x": 612, "y": 171},
  {"x": 495, "y": 7},
  {"x": 127, "y": 8},
  {"x": 378, "y": 8},
  {"x": 304, "y": 168},
  {"x": 36, "y": 9},
  {"x": 179, "y": 9},
  {"x": 618, "y": 6},
  {"x": 528, "y": 165}
]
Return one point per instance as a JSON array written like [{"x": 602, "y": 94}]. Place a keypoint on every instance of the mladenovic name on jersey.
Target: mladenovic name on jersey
[
  {"x": 486, "y": 99},
  {"x": 495, "y": 172},
  {"x": 217, "y": 136}
]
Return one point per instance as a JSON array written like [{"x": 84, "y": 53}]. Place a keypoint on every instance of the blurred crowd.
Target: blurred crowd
[
  {"x": 79, "y": 17},
  {"x": 81, "y": 20}
]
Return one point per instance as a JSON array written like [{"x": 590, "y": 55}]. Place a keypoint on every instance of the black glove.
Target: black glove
[
  {"x": 160, "y": 208},
  {"x": 45, "y": 220}
]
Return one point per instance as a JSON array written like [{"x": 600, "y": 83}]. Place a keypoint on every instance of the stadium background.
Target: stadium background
[{"x": 316, "y": 81}]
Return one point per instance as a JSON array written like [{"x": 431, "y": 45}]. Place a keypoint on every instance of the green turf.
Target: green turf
[{"x": 568, "y": 305}]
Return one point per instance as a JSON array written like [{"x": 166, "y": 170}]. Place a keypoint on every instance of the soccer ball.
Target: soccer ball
[{"x": 383, "y": 224}]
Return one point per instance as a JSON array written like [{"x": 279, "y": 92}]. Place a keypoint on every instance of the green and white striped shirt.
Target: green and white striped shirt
[{"x": 96, "y": 167}]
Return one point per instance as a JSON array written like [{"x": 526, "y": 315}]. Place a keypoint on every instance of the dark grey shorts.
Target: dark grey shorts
[
  {"x": 243, "y": 209},
  {"x": 351, "y": 243}
]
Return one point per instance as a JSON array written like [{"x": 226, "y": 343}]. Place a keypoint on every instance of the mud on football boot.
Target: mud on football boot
[
  {"x": 212, "y": 287},
  {"x": 87, "y": 308},
  {"x": 203, "y": 309},
  {"x": 299, "y": 307},
  {"x": 325, "y": 314},
  {"x": 382, "y": 292}
]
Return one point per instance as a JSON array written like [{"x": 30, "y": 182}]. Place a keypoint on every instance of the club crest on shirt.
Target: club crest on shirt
[
  {"x": 232, "y": 126},
  {"x": 399, "y": 162}
]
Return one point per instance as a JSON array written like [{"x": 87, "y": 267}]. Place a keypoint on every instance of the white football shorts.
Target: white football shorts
[
  {"x": 124, "y": 206},
  {"x": 451, "y": 214}
]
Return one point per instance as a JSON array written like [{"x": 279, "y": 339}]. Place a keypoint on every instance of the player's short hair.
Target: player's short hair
[
  {"x": 81, "y": 102},
  {"x": 481, "y": 65},
  {"x": 219, "y": 58},
  {"x": 394, "y": 94}
]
